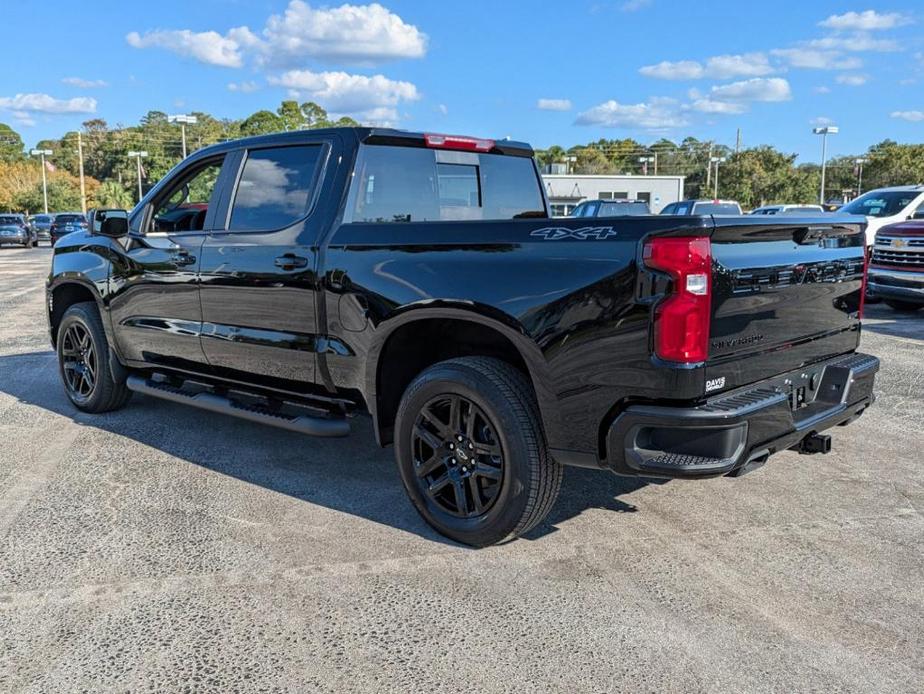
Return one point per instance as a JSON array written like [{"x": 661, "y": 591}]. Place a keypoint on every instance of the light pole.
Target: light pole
[
  {"x": 645, "y": 161},
  {"x": 859, "y": 163},
  {"x": 183, "y": 120},
  {"x": 824, "y": 132},
  {"x": 43, "y": 153},
  {"x": 138, "y": 157},
  {"x": 716, "y": 161}
]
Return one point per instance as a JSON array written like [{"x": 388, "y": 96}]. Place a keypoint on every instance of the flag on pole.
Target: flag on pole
[{"x": 51, "y": 167}]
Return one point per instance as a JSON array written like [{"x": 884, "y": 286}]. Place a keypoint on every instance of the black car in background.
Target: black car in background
[
  {"x": 15, "y": 229},
  {"x": 65, "y": 223},
  {"x": 41, "y": 224},
  {"x": 612, "y": 208}
]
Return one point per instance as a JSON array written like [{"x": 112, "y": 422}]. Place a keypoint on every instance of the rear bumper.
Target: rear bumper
[
  {"x": 738, "y": 430},
  {"x": 896, "y": 284}
]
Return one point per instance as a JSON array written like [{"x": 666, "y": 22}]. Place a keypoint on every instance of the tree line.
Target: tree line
[
  {"x": 110, "y": 176},
  {"x": 753, "y": 176}
]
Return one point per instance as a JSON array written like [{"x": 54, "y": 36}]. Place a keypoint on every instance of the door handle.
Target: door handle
[
  {"x": 183, "y": 258},
  {"x": 290, "y": 261}
]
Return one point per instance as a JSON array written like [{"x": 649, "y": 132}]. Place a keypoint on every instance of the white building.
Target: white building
[{"x": 566, "y": 191}]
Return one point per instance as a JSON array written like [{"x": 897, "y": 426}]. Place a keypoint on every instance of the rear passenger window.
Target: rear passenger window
[
  {"x": 275, "y": 187},
  {"x": 414, "y": 184}
]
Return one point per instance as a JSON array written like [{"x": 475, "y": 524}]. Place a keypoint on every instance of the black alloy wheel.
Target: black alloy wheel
[
  {"x": 79, "y": 362},
  {"x": 458, "y": 459},
  {"x": 471, "y": 451}
]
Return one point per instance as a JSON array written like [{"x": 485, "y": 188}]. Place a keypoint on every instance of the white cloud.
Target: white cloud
[
  {"x": 910, "y": 116},
  {"x": 744, "y": 65},
  {"x": 442, "y": 109},
  {"x": 352, "y": 33},
  {"x": 554, "y": 104},
  {"x": 854, "y": 43},
  {"x": 680, "y": 70},
  {"x": 822, "y": 90},
  {"x": 360, "y": 34},
  {"x": 718, "y": 67},
  {"x": 245, "y": 87},
  {"x": 208, "y": 47},
  {"x": 852, "y": 80},
  {"x": 870, "y": 20},
  {"x": 43, "y": 103},
  {"x": 821, "y": 121},
  {"x": 371, "y": 98},
  {"x": 657, "y": 114},
  {"x": 634, "y": 5},
  {"x": 84, "y": 84},
  {"x": 756, "y": 89},
  {"x": 706, "y": 105},
  {"x": 814, "y": 59},
  {"x": 24, "y": 119}
]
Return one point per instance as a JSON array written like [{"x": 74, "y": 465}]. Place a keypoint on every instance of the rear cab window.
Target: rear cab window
[{"x": 393, "y": 184}]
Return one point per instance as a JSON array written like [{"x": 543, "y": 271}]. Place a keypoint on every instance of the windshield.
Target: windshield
[
  {"x": 7, "y": 219},
  {"x": 718, "y": 208},
  {"x": 884, "y": 203},
  {"x": 69, "y": 218},
  {"x": 623, "y": 209}
]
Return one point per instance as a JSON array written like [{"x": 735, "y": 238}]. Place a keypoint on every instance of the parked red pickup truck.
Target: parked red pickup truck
[{"x": 896, "y": 269}]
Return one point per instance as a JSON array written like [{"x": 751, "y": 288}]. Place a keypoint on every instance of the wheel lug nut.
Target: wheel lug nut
[{"x": 451, "y": 446}]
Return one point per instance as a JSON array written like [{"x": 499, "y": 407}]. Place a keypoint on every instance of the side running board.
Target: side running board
[{"x": 312, "y": 425}]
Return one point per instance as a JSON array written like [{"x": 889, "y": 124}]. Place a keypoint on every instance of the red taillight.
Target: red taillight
[
  {"x": 471, "y": 144},
  {"x": 681, "y": 321}
]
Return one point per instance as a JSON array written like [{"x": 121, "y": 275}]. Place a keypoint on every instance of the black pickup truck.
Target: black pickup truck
[{"x": 299, "y": 279}]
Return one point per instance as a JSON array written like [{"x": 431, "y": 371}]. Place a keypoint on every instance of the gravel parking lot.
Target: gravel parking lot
[{"x": 163, "y": 548}]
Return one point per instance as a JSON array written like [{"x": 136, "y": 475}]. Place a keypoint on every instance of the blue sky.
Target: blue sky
[{"x": 546, "y": 72}]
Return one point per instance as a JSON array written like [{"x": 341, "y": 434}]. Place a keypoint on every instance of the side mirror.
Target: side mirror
[{"x": 111, "y": 223}]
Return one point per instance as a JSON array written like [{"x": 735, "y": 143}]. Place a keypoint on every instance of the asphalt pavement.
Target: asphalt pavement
[{"x": 164, "y": 548}]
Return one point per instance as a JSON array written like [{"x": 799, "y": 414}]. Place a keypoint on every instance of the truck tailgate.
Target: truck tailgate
[{"x": 785, "y": 294}]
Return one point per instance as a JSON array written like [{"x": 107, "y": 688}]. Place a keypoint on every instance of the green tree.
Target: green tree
[
  {"x": 11, "y": 145},
  {"x": 261, "y": 123},
  {"x": 113, "y": 195}
]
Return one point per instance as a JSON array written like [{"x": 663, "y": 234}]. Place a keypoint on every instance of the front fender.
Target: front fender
[{"x": 83, "y": 261}]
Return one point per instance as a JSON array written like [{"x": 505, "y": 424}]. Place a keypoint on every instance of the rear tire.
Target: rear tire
[
  {"x": 903, "y": 306},
  {"x": 84, "y": 361},
  {"x": 478, "y": 471}
]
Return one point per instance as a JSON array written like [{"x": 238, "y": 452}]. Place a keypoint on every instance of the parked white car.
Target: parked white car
[
  {"x": 788, "y": 209},
  {"x": 885, "y": 206}
]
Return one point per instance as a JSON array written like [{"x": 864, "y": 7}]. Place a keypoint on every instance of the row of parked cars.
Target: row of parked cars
[
  {"x": 894, "y": 233},
  {"x": 631, "y": 208},
  {"x": 28, "y": 232}
]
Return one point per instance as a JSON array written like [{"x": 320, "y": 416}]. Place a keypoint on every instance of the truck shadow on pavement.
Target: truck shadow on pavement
[
  {"x": 351, "y": 475},
  {"x": 880, "y": 318}
]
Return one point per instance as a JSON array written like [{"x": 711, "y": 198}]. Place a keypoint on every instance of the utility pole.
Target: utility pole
[
  {"x": 709, "y": 169},
  {"x": 43, "y": 153},
  {"x": 183, "y": 120},
  {"x": 83, "y": 187},
  {"x": 716, "y": 161},
  {"x": 645, "y": 161},
  {"x": 138, "y": 156},
  {"x": 859, "y": 163},
  {"x": 824, "y": 132},
  {"x": 738, "y": 141}
]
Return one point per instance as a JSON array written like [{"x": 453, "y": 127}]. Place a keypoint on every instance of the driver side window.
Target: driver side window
[{"x": 184, "y": 205}]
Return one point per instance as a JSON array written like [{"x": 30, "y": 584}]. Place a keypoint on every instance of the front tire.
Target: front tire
[
  {"x": 84, "y": 361},
  {"x": 471, "y": 452},
  {"x": 903, "y": 306}
]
